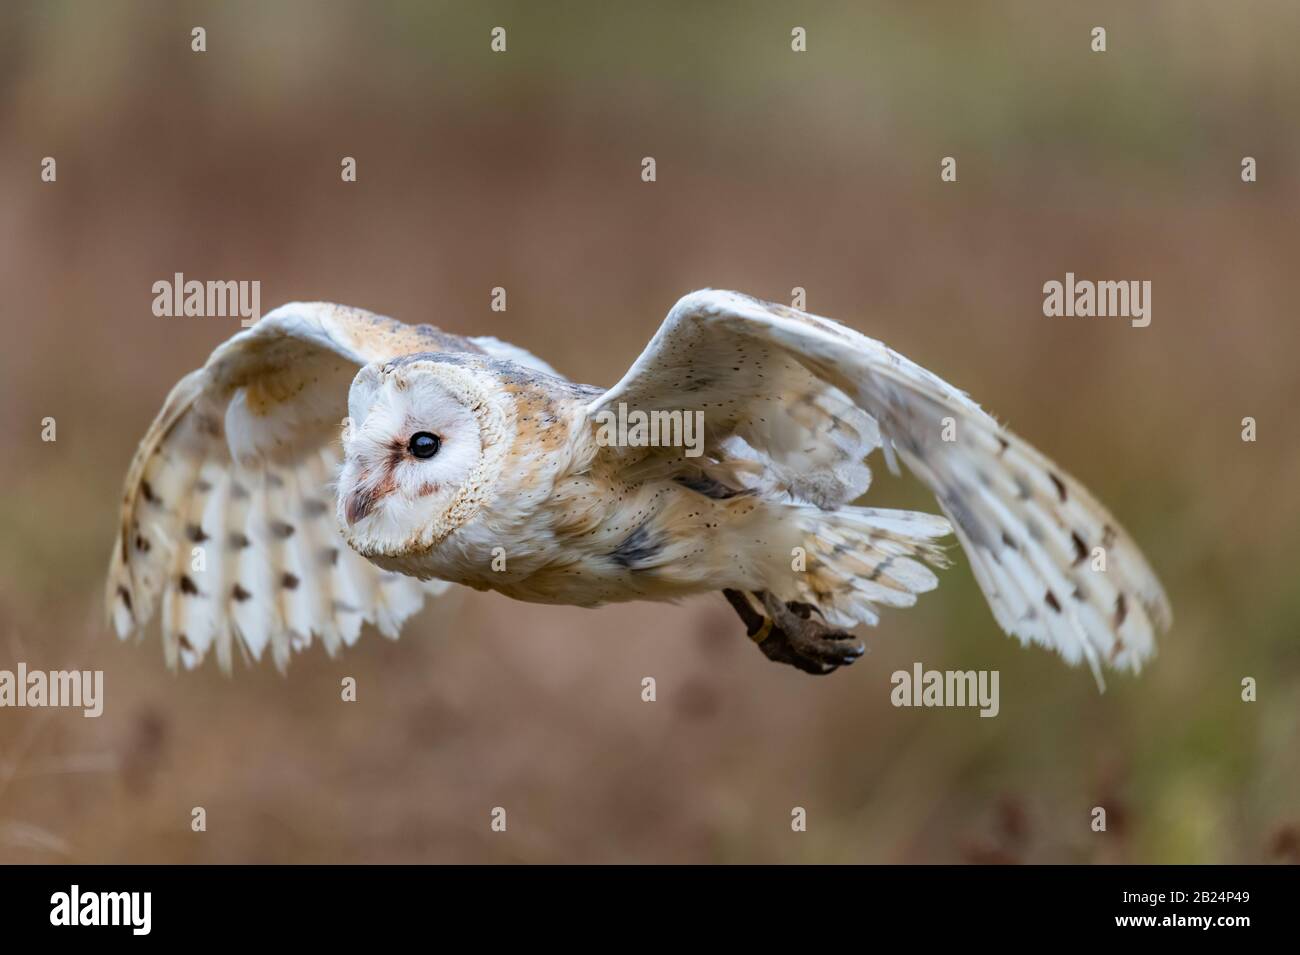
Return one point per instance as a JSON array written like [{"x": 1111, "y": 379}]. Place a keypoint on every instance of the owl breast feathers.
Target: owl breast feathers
[{"x": 329, "y": 467}]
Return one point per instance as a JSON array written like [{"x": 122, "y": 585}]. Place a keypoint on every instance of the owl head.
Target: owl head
[{"x": 422, "y": 447}]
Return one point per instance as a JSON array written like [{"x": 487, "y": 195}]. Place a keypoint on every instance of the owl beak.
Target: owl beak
[{"x": 358, "y": 505}]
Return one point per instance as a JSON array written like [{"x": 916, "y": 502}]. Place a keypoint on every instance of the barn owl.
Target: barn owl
[{"x": 329, "y": 467}]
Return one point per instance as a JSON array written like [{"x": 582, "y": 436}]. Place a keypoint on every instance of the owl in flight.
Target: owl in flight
[{"x": 329, "y": 467}]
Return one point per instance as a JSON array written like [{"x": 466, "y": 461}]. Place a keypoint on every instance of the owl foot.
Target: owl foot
[{"x": 791, "y": 634}]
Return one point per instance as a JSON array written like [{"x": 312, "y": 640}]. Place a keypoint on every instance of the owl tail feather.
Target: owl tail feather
[{"x": 859, "y": 559}]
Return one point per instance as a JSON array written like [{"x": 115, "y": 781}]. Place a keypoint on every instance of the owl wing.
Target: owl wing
[
  {"x": 228, "y": 511},
  {"x": 772, "y": 383}
]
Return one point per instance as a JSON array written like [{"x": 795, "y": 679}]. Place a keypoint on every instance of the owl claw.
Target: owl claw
[{"x": 794, "y": 636}]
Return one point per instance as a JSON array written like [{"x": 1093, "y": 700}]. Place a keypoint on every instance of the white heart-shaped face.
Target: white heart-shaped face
[{"x": 390, "y": 496}]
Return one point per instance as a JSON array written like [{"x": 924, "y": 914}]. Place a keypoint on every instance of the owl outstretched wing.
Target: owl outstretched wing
[
  {"x": 792, "y": 402},
  {"x": 228, "y": 520}
]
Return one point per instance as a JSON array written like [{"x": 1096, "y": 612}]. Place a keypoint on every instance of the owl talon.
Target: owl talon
[{"x": 791, "y": 634}]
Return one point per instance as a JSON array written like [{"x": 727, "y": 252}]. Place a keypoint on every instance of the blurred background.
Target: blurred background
[{"x": 775, "y": 169}]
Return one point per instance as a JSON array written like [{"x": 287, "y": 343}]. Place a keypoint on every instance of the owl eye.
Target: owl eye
[{"x": 424, "y": 445}]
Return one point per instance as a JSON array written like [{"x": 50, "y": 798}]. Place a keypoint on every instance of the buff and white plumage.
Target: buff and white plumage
[{"x": 275, "y": 500}]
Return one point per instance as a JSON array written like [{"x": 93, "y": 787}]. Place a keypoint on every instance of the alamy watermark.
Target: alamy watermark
[
  {"x": 213, "y": 299},
  {"x": 651, "y": 429},
  {"x": 76, "y": 907},
  {"x": 78, "y": 689},
  {"x": 1085, "y": 299},
  {"x": 922, "y": 687}
]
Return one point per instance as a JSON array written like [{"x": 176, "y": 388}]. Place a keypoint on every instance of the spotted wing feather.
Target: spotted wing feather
[
  {"x": 1031, "y": 532},
  {"x": 228, "y": 519}
]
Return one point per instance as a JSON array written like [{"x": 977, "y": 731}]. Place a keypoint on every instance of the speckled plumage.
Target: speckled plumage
[{"x": 311, "y": 524}]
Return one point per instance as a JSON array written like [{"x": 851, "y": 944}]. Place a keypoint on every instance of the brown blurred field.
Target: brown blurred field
[{"x": 775, "y": 170}]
